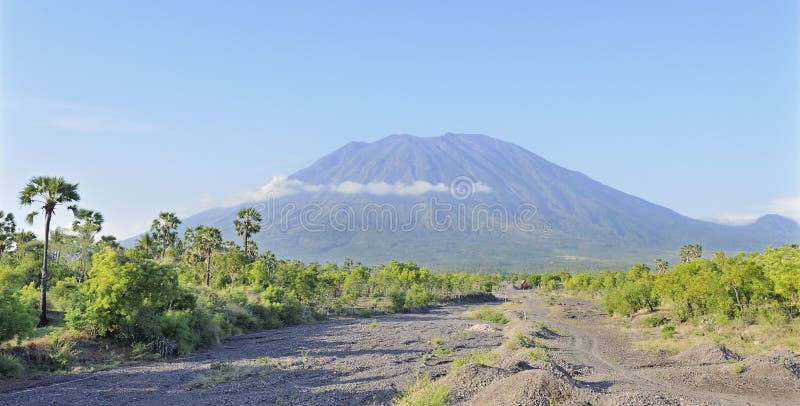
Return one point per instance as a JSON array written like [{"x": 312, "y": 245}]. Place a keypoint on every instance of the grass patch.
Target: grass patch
[
  {"x": 223, "y": 372},
  {"x": 436, "y": 341},
  {"x": 737, "y": 368},
  {"x": 443, "y": 352},
  {"x": 537, "y": 354},
  {"x": 424, "y": 392},
  {"x": 487, "y": 313},
  {"x": 524, "y": 339},
  {"x": 478, "y": 358}
]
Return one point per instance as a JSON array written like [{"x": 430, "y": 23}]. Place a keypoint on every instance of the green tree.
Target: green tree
[
  {"x": 125, "y": 296},
  {"x": 25, "y": 241},
  {"x": 7, "y": 229},
  {"x": 165, "y": 231},
  {"x": 47, "y": 193},
  {"x": 230, "y": 264},
  {"x": 247, "y": 223},
  {"x": 109, "y": 241},
  {"x": 204, "y": 241},
  {"x": 782, "y": 266},
  {"x": 87, "y": 224}
]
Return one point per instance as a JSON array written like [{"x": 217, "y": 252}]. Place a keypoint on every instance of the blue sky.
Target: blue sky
[{"x": 178, "y": 105}]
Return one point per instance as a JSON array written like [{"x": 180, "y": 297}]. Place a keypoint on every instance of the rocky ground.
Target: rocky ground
[{"x": 371, "y": 361}]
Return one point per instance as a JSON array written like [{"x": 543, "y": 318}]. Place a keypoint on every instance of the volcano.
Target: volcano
[{"x": 472, "y": 202}]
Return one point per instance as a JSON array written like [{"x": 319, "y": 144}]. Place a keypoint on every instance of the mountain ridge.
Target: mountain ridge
[{"x": 586, "y": 218}]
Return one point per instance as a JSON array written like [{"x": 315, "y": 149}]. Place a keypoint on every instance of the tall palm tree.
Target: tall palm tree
[
  {"x": 47, "y": 193},
  {"x": 165, "y": 230},
  {"x": 87, "y": 224},
  {"x": 247, "y": 223},
  {"x": 662, "y": 265},
  {"x": 204, "y": 242},
  {"x": 7, "y": 229}
]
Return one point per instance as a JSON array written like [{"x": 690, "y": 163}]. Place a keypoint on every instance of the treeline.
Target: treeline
[
  {"x": 759, "y": 286},
  {"x": 171, "y": 294}
]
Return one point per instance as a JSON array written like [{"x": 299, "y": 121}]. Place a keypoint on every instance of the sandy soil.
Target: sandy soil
[{"x": 370, "y": 361}]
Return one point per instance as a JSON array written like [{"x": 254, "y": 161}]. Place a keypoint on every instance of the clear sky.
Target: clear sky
[{"x": 176, "y": 105}]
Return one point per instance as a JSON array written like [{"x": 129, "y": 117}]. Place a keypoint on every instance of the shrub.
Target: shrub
[
  {"x": 66, "y": 294},
  {"x": 537, "y": 354},
  {"x": 667, "y": 331},
  {"x": 16, "y": 317},
  {"x": 174, "y": 325},
  {"x": 125, "y": 297},
  {"x": 418, "y": 297},
  {"x": 630, "y": 298},
  {"x": 486, "y": 313},
  {"x": 397, "y": 297},
  {"x": 738, "y": 368},
  {"x": 654, "y": 320},
  {"x": 10, "y": 366}
]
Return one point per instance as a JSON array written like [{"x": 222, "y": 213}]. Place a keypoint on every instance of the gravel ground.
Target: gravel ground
[
  {"x": 370, "y": 361},
  {"x": 340, "y": 361}
]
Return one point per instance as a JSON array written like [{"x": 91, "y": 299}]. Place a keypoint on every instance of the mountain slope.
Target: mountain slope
[{"x": 575, "y": 216}]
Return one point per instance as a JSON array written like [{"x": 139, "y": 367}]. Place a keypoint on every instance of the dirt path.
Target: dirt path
[{"x": 597, "y": 353}]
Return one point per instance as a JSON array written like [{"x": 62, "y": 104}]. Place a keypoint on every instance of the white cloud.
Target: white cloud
[
  {"x": 788, "y": 206},
  {"x": 280, "y": 186}
]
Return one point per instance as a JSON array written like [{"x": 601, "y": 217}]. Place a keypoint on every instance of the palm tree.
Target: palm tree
[
  {"x": 87, "y": 224},
  {"x": 164, "y": 229},
  {"x": 690, "y": 252},
  {"x": 146, "y": 245},
  {"x": 247, "y": 223},
  {"x": 7, "y": 229},
  {"x": 49, "y": 192},
  {"x": 23, "y": 240},
  {"x": 661, "y": 265},
  {"x": 204, "y": 242}
]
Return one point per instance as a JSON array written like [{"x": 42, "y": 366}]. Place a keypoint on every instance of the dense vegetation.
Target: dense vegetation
[
  {"x": 760, "y": 287},
  {"x": 170, "y": 295}
]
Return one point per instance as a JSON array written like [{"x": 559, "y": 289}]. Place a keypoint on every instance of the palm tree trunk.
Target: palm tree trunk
[
  {"x": 208, "y": 268},
  {"x": 245, "y": 246},
  {"x": 43, "y": 316}
]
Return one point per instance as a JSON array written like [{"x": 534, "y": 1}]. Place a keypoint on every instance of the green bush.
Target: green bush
[
  {"x": 17, "y": 319},
  {"x": 66, "y": 294},
  {"x": 397, "y": 298},
  {"x": 630, "y": 298},
  {"x": 668, "y": 331},
  {"x": 417, "y": 297},
  {"x": 174, "y": 325},
  {"x": 486, "y": 313},
  {"x": 125, "y": 297},
  {"x": 10, "y": 366}
]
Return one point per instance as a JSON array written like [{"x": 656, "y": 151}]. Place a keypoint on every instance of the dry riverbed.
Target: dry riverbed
[{"x": 563, "y": 352}]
